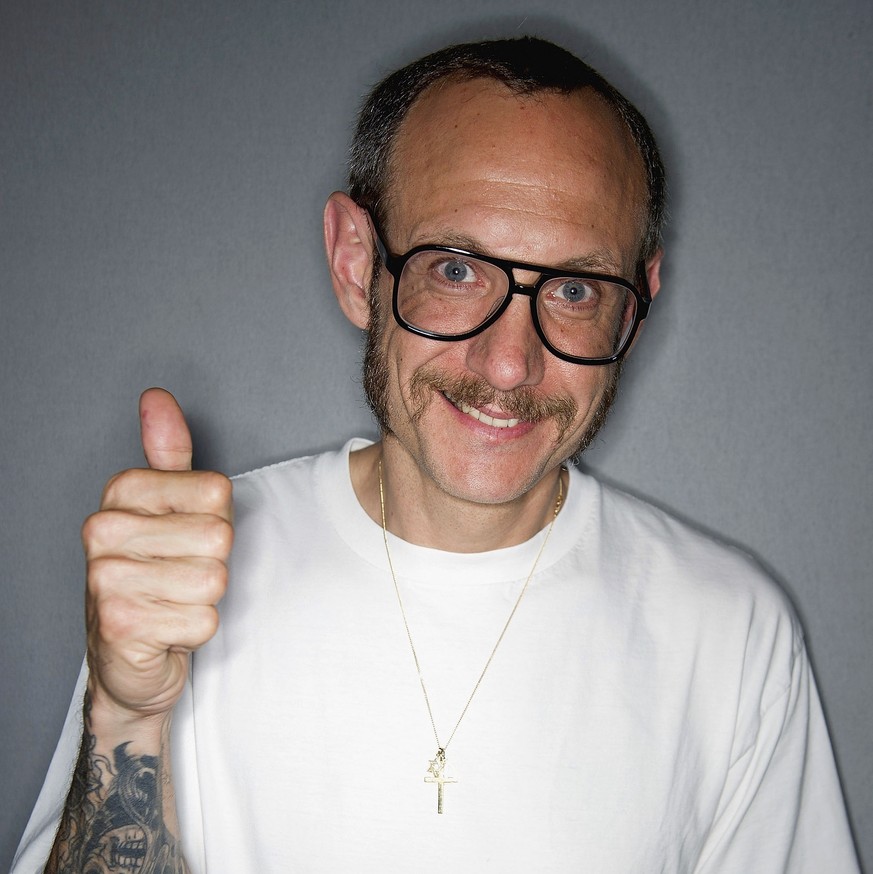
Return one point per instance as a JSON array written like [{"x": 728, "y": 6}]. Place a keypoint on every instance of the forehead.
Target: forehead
[{"x": 529, "y": 176}]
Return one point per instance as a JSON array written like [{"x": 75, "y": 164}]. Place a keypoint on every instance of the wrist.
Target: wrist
[{"x": 111, "y": 724}]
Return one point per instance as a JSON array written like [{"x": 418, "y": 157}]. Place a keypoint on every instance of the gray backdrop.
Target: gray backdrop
[{"x": 162, "y": 172}]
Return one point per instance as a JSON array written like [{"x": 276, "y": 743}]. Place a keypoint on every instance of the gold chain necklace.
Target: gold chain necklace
[{"x": 436, "y": 772}]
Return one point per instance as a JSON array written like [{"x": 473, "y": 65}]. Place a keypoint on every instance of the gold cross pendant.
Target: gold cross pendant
[{"x": 436, "y": 774}]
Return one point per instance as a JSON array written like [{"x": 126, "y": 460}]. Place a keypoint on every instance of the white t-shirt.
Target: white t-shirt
[{"x": 651, "y": 708}]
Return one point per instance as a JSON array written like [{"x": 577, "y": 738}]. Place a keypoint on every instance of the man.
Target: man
[{"x": 446, "y": 650}]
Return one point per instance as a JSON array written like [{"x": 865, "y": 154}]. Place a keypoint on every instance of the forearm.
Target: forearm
[
  {"x": 157, "y": 555},
  {"x": 120, "y": 813}
]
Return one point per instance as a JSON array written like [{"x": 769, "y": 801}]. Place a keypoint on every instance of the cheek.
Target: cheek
[
  {"x": 600, "y": 398},
  {"x": 590, "y": 388},
  {"x": 392, "y": 358},
  {"x": 408, "y": 354}
]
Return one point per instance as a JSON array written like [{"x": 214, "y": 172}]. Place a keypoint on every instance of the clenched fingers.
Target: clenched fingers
[
  {"x": 155, "y": 492},
  {"x": 142, "y": 628},
  {"x": 190, "y": 580},
  {"x": 121, "y": 533}
]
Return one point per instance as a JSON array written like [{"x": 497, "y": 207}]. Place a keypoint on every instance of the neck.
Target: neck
[{"x": 419, "y": 511}]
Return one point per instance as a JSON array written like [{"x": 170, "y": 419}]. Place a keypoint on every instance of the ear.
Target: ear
[
  {"x": 653, "y": 272},
  {"x": 349, "y": 244},
  {"x": 653, "y": 278}
]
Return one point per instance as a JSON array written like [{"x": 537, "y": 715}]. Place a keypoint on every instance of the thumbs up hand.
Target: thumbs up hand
[{"x": 156, "y": 554}]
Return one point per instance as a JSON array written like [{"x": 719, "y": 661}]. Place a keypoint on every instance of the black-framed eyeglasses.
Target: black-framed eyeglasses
[{"x": 445, "y": 293}]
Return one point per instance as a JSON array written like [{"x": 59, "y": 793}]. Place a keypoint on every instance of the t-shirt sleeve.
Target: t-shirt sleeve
[
  {"x": 39, "y": 836},
  {"x": 782, "y": 807},
  {"x": 36, "y": 843}
]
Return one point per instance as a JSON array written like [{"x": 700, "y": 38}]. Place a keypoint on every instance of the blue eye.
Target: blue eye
[
  {"x": 575, "y": 291},
  {"x": 456, "y": 270}
]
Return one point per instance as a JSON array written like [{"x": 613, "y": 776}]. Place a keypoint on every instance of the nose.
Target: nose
[{"x": 509, "y": 353}]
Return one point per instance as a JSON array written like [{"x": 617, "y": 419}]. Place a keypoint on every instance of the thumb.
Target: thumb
[{"x": 166, "y": 440}]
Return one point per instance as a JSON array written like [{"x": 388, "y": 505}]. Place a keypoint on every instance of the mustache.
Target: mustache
[{"x": 524, "y": 402}]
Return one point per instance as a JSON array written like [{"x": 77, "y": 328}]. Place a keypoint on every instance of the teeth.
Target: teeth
[{"x": 484, "y": 417}]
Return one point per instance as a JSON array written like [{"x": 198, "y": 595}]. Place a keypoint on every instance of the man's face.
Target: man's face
[{"x": 552, "y": 180}]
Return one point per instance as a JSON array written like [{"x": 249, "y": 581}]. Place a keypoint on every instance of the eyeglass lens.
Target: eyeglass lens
[{"x": 448, "y": 294}]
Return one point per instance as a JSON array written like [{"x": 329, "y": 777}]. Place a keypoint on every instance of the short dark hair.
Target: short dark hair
[{"x": 527, "y": 65}]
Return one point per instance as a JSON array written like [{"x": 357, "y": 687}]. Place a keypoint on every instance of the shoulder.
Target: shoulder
[
  {"x": 686, "y": 574},
  {"x": 693, "y": 605},
  {"x": 294, "y": 500},
  {"x": 273, "y": 480},
  {"x": 293, "y": 479}
]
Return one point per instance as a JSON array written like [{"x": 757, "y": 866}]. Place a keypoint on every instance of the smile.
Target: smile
[{"x": 484, "y": 418}]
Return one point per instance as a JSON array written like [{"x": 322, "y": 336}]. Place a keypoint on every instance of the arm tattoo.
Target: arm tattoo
[{"x": 114, "y": 818}]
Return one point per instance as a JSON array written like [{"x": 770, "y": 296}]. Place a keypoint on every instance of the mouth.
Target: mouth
[{"x": 479, "y": 416}]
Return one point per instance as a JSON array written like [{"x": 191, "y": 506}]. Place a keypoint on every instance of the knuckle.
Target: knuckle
[
  {"x": 209, "y": 621},
  {"x": 115, "y": 620},
  {"x": 102, "y": 576},
  {"x": 89, "y": 530},
  {"x": 100, "y": 532},
  {"x": 110, "y": 490},
  {"x": 214, "y": 581},
  {"x": 120, "y": 486},
  {"x": 216, "y": 489},
  {"x": 219, "y": 536}
]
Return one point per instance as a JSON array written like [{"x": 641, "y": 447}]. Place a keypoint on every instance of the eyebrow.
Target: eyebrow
[{"x": 593, "y": 262}]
